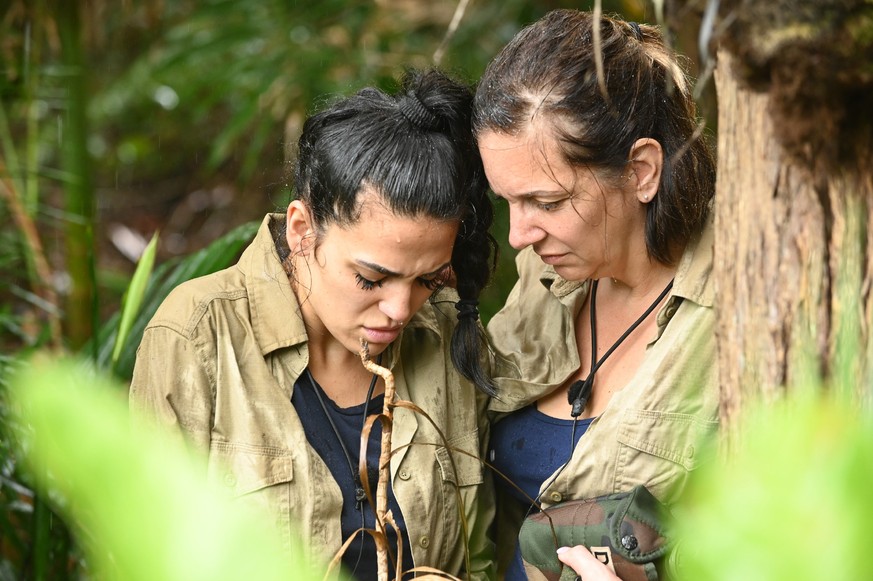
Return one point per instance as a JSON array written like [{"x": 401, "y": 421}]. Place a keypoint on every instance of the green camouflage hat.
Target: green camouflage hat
[{"x": 625, "y": 529}]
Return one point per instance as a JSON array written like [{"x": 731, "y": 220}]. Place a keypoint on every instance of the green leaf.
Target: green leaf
[
  {"x": 137, "y": 499},
  {"x": 132, "y": 300}
]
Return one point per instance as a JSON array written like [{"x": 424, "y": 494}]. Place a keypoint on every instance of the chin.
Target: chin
[
  {"x": 374, "y": 348},
  {"x": 571, "y": 273}
]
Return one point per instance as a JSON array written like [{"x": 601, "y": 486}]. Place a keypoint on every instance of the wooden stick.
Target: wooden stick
[{"x": 383, "y": 518}]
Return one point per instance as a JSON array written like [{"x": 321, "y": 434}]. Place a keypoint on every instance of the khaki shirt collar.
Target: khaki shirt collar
[{"x": 276, "y": 318}]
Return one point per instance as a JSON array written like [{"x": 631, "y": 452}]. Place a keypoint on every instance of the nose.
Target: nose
[
  {"x": 522, "y": 229},
  {"x": 397, "y": 303}
]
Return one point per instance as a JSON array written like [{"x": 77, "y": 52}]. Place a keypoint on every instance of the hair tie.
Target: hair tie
[
  {"x": 635, "y": 28},
  {"x": 413, "y": 109},
  {"x": 467, "y": 309}
]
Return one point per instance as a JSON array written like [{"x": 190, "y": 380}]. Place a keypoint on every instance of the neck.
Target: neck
[
  {"x": 640, "y": 283},
  {"x": 340, "y": 372}
]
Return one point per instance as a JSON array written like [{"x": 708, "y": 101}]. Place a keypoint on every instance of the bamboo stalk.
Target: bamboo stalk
[{"x": 81, "y": 311}]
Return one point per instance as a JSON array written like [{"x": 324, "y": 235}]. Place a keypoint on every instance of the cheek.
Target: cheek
[{"x": 357, "y": 301}]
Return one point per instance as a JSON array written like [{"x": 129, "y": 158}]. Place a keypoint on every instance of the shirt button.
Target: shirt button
[
  {"x": 404, "y": 475},
  {"x": 230, "y": 479},
  {"x": 689, "y": 451},
  {"x": 424, "y": 541},
  {"x": 670, "y": 312},
  {"x": 556, "y": 496}
]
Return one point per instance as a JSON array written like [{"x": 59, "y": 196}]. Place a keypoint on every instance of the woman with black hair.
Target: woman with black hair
[{"x": 259, "y": 366}]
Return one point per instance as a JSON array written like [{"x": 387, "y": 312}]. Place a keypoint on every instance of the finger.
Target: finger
[{"x": 585, "y": 564}]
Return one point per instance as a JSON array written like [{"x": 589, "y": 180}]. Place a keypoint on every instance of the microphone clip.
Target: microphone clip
[{"x": 578, "y": 395}]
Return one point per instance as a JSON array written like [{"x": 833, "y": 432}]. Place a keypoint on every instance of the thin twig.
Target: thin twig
[
  {"x": 598, "y": 50},
  {"x": 450, "y": 31}
]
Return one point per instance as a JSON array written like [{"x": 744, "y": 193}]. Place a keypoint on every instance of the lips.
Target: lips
[
  {"x": 381, "y": 335},
  {"x": 551, "y": 258}
]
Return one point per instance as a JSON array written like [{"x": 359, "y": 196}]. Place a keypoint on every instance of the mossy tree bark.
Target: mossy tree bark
[{"x": 792, "y": 263}]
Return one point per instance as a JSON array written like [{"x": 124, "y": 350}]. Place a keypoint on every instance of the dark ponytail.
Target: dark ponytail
[{"x": 416, "y": 148}]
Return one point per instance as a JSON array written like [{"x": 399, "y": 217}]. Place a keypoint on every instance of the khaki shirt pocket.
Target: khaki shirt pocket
[
  {"x": 245, "y": 468},
  {"x": 260, "y": 478},
  {"x": 461, "y": 465},
  {"x": 658, "y": 449}
]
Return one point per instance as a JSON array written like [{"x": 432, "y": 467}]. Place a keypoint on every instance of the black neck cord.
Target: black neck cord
[
  {"x": 580, "y": 390},
  {"x": 360, "y": 494}
]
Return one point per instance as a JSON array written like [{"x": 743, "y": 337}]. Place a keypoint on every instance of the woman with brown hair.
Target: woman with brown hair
[{"x": 589, "y": 132}]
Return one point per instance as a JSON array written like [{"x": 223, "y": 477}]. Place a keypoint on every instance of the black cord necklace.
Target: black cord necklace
[
  {"x": 580, "y": 390},
  {"x": 360, "y": 493}
]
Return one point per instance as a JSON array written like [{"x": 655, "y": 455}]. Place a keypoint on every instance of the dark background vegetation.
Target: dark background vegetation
[{"x": 119, "y": 119}]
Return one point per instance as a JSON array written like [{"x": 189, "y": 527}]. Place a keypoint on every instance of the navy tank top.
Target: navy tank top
[
  {"x": 527, "y": 447},
  {"x": 360, "y": 557}
]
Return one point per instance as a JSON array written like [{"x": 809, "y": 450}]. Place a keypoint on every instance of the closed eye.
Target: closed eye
[
  {"x": 434, "y": 282},
  {"x": 368, "y": 284},
  {"x": 548, "y": 206}
]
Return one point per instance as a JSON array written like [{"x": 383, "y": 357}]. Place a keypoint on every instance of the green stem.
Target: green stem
[
  {"x": 42, "y": 519},
  {"x": 79, "y": 199},
  {"x": 30, "y": 192}
]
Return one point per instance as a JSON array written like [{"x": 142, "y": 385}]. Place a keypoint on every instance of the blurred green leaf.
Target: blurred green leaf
[
  {"x": 137, "y": 499},
  {"x": 792, "y": 503},
  {"x": 133, "y": 297}
]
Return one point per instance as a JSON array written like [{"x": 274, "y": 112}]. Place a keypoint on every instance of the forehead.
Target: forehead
[
  {"x": 522, "y": 164},
  {"x": 402, "y": 244}
]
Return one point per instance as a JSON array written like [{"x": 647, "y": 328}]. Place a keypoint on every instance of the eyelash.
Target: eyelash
[
  {"x": 366, "y": 284},
  {"x": 548, "y": 206},
  {"x": 544, "y": 206},
  {"x": 433, "y": 284}
]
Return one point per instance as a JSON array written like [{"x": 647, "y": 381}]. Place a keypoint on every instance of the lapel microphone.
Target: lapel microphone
[{"x": 578, "y": 395}]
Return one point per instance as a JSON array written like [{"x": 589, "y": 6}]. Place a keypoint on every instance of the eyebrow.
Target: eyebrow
[
  {"x": 382, "y": 270},
  {"x": 534, "y": 194}
]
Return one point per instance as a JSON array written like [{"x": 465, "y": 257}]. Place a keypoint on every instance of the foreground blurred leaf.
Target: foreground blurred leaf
[
  {"x": 137, "y": 500},
  {"x": 793, "y": 503}
]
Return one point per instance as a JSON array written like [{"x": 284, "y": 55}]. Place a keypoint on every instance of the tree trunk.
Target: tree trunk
[{"x": 792, "y": 264}]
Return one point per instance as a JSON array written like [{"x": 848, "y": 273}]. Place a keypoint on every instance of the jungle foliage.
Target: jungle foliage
[{"x": 175, "y": 117}]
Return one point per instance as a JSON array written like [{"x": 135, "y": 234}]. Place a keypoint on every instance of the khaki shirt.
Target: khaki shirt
[
  {"x": 651, "y": 430},
  {"x": 218, "y": 362}
]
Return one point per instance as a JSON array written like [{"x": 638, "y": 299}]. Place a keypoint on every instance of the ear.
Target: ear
[
  {"x": 299, "y": 231},
  {"x": 647, "y": 160}
]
